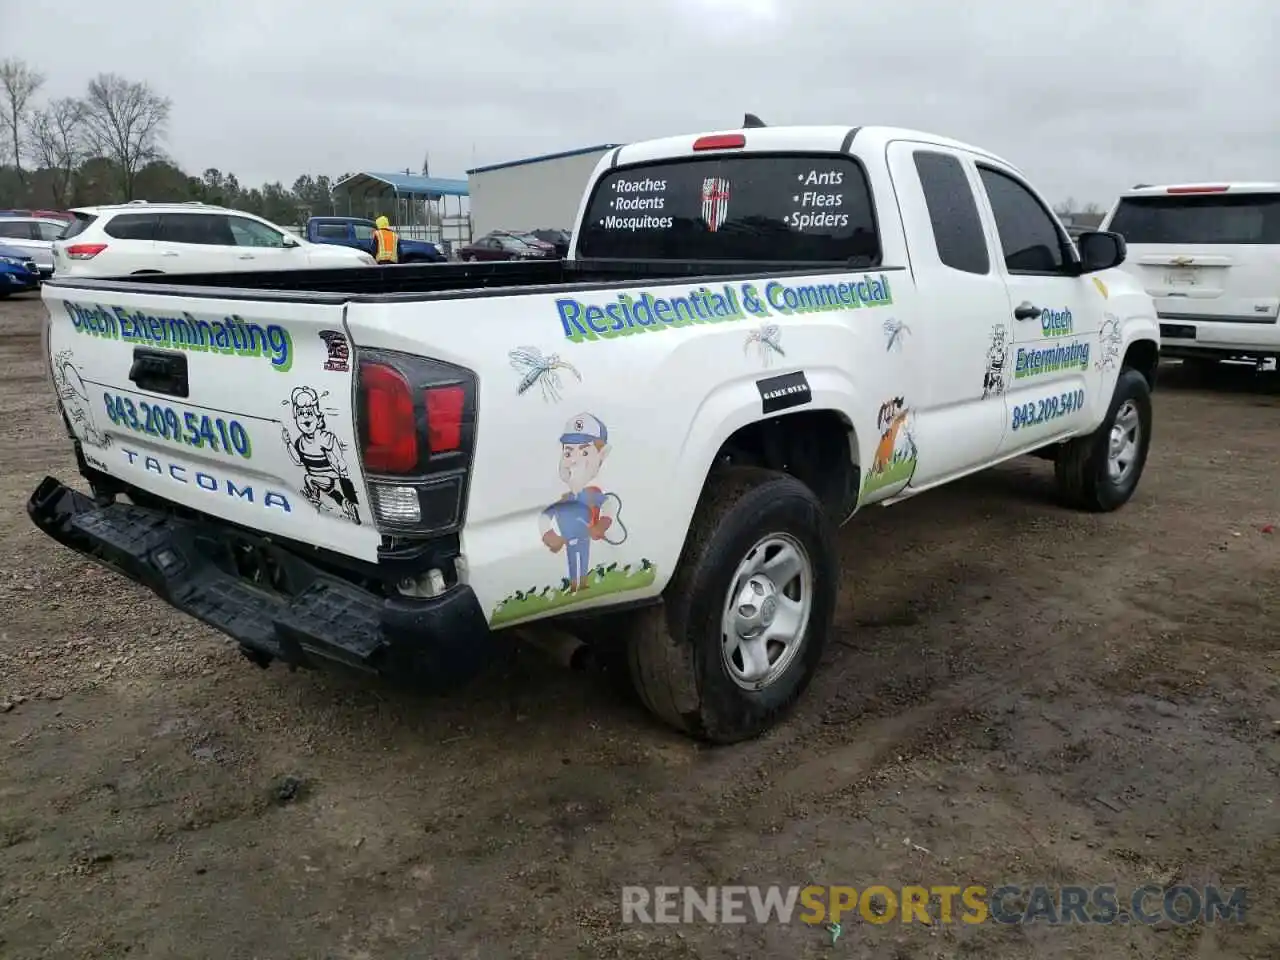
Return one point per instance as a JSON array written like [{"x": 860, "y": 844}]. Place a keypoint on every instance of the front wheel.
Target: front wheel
[
  {"x": 745, "y": 617},
  {"x": 1100, "y": 472}
]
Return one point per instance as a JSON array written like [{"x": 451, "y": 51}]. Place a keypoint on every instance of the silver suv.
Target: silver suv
[{"x": 34, "y": 236}]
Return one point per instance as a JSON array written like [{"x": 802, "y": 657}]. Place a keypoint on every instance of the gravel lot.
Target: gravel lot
[{"x": 1015, "y": 693}]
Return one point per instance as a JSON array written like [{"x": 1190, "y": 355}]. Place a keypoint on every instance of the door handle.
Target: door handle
[
  {"x": 169, "y": 253},
  {"x": 245, "y": 256},
  {"x": 160, "y": 371},
  {"x": 1026, "y": 311}
]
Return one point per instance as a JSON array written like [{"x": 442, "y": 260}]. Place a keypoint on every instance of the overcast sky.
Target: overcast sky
[{"x": 1086, "y": 97}]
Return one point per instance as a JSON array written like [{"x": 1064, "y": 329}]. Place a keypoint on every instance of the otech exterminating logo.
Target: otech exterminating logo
[{"x": 946, "y": 904}]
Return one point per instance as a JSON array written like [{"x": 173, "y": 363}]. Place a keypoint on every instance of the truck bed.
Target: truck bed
[{"x": 443, "y": 280}]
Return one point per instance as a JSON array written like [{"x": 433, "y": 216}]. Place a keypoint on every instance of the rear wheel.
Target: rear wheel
[
  {"x": 1100, "y": 472},
  {"x": 745, "y": 617}
]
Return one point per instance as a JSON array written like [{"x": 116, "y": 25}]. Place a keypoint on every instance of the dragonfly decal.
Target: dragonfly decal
[
  {"x": 768, "y": 341},
  {"x": 895, "y": 331},
  {"x": 544, "y": 372}
]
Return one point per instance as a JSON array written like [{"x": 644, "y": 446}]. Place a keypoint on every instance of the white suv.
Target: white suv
[
  {"x": 140, "y": 237},
  {"x": 1210, "y": 257}
]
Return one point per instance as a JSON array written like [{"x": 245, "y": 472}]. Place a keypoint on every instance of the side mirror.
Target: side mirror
[
  {"x": 290, "y": 242},
  {"x": 1100, "y": 250}
]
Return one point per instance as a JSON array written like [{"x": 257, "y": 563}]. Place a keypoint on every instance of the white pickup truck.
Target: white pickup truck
[{"x": 386, "y": 467}]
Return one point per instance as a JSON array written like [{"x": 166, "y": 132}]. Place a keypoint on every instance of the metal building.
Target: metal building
[
  {"x": 421, "y": 208},
  {"x": 540, "y": 193}
]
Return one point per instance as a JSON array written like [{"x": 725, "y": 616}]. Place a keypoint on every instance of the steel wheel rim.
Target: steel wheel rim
[
  {"x": 766, "y": 611},
  {"x": 1122, "y": 445}
]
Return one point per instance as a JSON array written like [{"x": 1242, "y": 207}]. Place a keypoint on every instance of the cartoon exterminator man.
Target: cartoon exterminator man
[
  {"x": 318, "y": 451},
  {"x": 585, "y": 512}
]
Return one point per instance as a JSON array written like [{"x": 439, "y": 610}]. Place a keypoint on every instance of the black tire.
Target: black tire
[
  {"x": 674, "y": 650},
  {"x": 1084, "y": 481}
]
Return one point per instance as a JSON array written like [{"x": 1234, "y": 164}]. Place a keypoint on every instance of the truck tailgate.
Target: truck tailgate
[{"x": 236, "y": 408}]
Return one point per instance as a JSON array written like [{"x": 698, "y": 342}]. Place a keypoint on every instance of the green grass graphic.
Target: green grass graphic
[{"x": 602, "y": 580}]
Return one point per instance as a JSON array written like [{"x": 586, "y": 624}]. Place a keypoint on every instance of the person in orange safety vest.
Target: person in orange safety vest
[{"x": 387, "y": 242}]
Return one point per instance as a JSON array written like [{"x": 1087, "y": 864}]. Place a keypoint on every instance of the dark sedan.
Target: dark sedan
[{"x": 501, "y": 246}]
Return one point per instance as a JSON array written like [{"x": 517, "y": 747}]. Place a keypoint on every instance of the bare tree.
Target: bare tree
[
  {"x": 125, "y": 122},
  {"x": 58, "y": 143},
  {"x": 18, "y": 84}
]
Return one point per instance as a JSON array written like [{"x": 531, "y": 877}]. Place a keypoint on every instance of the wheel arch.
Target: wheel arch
[{"x": 817, "y": 442}]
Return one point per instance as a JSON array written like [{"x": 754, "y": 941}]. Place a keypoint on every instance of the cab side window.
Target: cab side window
[
  {"x": 1031, "y": 240},
  {"x": 953, "y": 211}
]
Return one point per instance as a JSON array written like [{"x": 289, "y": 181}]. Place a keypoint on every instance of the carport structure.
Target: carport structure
[{"x": 421, "y": 208}]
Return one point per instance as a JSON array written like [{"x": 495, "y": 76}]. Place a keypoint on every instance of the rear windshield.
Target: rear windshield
[
  {"x": 1202, "y": 218},
  {"x": 764, "y": 207}
]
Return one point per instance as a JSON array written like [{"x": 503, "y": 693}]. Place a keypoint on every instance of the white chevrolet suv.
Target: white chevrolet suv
[
  {"x": 1209, "y": 255},
  {"x": 140, "y": 237}
]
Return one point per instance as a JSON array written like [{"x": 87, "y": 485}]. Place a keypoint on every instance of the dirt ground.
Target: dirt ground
[{"x": 1015, "y": 693}]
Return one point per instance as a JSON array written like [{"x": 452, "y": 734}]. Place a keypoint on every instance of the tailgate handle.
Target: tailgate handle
[{"x": 160, "y": 372}]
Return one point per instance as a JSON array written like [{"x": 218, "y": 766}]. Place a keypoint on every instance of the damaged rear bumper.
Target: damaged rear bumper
[{"x": 307, "y": 617}]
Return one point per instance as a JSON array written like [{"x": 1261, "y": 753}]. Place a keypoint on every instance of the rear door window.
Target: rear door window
[
  {"x": 953, "y": 212},
  {"x": 207, "y": 229},
  {"x": 50, "y": 231},
  {"x": 1199, "y": 218},
  {"x": 131, "y": 226},
  {"x": 765, "y": 207},
  {"x": 331, "y": 231}
]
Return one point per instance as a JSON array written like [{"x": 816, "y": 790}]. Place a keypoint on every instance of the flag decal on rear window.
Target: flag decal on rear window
[{"x": 715, "y": 202}]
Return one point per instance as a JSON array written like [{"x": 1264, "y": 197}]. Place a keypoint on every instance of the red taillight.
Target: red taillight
[
  {"x": 444, "y": 418},
  {"x": 1204, "y": 189},
  {"x": 84, "y": 251},
  {"x": 391, "y": 438},
  {"x": 721, "y": 141}
]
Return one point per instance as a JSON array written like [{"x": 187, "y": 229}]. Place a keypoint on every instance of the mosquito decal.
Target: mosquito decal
[
  {"x": 768, "y": 341},
  {"x": 895, "y": 331},
  {"x": 534, "y": 368}
]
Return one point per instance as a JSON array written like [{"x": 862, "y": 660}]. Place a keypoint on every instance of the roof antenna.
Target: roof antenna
[{"x": 751, "y": 120}]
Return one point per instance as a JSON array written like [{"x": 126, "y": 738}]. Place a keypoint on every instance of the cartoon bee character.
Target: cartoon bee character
[{"x": 318, "y": 451}]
